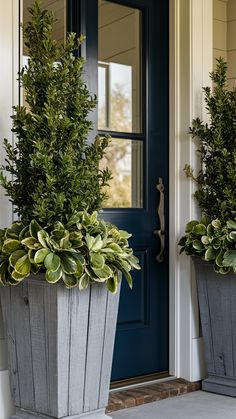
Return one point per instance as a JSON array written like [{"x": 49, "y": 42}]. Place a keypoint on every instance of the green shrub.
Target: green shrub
[
  {"x": 55, "y": 182},
  {"x": 213, "y": 238}
]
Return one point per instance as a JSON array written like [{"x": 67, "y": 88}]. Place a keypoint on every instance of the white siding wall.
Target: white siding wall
[{"x": 231, "y": 41}]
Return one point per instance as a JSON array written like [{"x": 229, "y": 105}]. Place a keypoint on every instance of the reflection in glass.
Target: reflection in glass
[
  {"x": 119, "y": 50},
  {"x": 124, "y": 159}
]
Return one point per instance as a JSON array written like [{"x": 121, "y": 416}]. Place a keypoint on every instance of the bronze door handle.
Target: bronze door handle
[{"x": 161, "y": 215}]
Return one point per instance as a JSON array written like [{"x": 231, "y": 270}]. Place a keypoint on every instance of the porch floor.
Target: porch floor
[{"x": 196, "y": 405}]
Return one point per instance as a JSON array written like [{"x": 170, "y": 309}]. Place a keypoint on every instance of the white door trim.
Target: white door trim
[{"x": 191, "y": 50}]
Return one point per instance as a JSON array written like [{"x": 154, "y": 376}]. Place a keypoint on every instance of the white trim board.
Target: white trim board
[{"x": 191, "y": 49}]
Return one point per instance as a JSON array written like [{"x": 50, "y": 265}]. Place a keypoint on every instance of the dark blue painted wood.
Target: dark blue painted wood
[{"x": 142, "y": 334}]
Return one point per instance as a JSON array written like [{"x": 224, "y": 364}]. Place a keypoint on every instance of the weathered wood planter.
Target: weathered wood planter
[
  {"x": 60, "y": 345},
  {"x": 217, "y": 303}
]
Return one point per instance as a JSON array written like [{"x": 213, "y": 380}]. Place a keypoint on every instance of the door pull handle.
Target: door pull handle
[{"x": 161, "y": 215}]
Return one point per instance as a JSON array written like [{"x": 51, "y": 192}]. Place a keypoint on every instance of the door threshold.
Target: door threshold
[
  {"x": 149, "y": 392},
  {"x": 140, "y": 381}
]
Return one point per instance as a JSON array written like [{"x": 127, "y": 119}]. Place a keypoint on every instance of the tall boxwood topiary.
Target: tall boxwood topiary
[
  {"x": 56, "y": 183},
  {"x": 54, "y": 169},
  {"x": 213, "y": 238},
  {"x": 216, "y": 194}
]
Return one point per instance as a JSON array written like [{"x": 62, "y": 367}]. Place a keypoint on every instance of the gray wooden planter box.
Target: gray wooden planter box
[
  {"x": 217, "y": 303},
  {"x": 60, "y": 346}
]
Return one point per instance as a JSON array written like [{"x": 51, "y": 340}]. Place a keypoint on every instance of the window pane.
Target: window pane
[
  {"x": 119, "y": 49},
  {"x": 124, "y": 159}
]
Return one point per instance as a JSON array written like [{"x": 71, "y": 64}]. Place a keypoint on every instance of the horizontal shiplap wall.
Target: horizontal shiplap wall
[
  {"x": 231, "y": 42},
  {"x": 219, "y": 29}
]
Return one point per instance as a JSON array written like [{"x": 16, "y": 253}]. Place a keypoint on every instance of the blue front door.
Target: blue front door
[{"x": 127, "y": 65}]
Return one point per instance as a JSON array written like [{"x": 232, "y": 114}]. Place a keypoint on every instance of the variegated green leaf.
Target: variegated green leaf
[
  {"x": 18, "y": 277},
  {"x": 31, "y": 243},
  {"x": 15, "y": 256},
  {"x": 40, "y": 255},
  {"x": 52, "y": 262},
  {"x": 22, "y": 265},
  {"x": 97, "y": 260},
  {"x": 34, "y": 228},
  {"x": 84, "y": 281},
  {"x": 112, "y": 284},
  {"x": 68, "y": 263},
  {"x": 69, "y": 280},
  {"x": 103, "y": 273},
  {"x": 55, "y": 276},
  {"x": 43, "y": 238},
  {"x": 11, "y": 245}
]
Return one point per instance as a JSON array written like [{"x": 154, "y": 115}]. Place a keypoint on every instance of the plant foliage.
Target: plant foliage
[
  {"x": 213, "y": 242},
  {"x": 216, "y": 194},
  {"x": 55, "y": 183},
  {"x": 214, "y": 237},
  {"x": 83, "y": 251},
  {"x": 54, "y": 170}
]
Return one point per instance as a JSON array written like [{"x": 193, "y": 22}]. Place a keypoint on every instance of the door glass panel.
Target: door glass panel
[
  {"x": 119, "y": 52},
  {"x": 124, "y": 159}
]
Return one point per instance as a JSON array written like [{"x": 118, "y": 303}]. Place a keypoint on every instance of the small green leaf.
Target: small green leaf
[
  {"x": 229, "y": 258},
  {"x": 210, "y": 254},
  {"x": 199, "y": 230},
  {"x": 68, "y": 263},
  {"x": 52, "y": 262},
  {"x": 231, "y": 225},
  {"x": 97, "y": 260},
  {"x": 232, "y": 235},
  {"x": 124, "y": 234},
  {"x": 55, "y": 276},
  {"x": 84, "y": 281},
  {"x": 205, "y": 220},
  {"x": 134, "y": 261},
  {"x": 11, "y": 246},
  {"x": 43, "y": 238},
  {"x": 22, "y": 265},
  {"x": 80, "y": 268},
  {"x": 216, "y": 224},
  {"x": 15, "y": 256},
  {"x": 70, "y": 280},
  {"x": 128, "y": 278},
  {"x": 103, "y": 273},
  {"x": 190, "y": 225},
  {"x": 115, "y": 247},
  {"x": 112, "y": 284},
  {"x": 97, "y": 244},
  {"x": 17, "y": 277},
  {"x": 40, "y": 255},
  {"x": 34, "y": 228},
  {"x": 31, "y": 243},
  {"x": 205, "y": 240},
  {"x": 197, "y": 245}
]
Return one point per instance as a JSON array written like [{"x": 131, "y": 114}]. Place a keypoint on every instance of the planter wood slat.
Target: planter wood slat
[
  {"x": 19, "y": 300},
  {"x": 97, "y": 318},
  {"x": 79, "y": 314},
  {"x": 217, "y": 303},
  {"x": 64, "y": 351}
]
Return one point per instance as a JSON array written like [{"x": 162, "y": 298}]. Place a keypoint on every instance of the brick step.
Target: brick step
[{"x": 123, "y": 399}]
